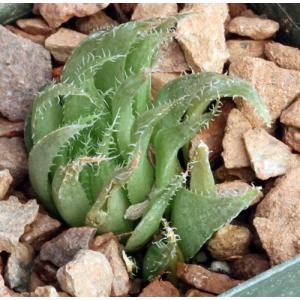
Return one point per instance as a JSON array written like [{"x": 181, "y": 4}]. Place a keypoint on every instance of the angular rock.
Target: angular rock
[
  {"x": 120, "y": 284},
  {"x": 277, "y": 87},
  {"x": 56, "y": 14},
  {"x": 38, "y": 39},
  {"x": 220, "y": 267},
  {"x": 94, "y": 22},
  {"x": 230, "y": 241},
  {"x": 290, "y": 116},
  {"x": 249, "y": 266},
  {"x": 45, "y": 291},
  {"x": 18, "y": 62},
  {"x": 62, "y": 248},
  {"x": 144, "y": 11},
  {"x": 223, "y": 174},
  {"x": 277, "y": 218},
  {"x": 241, "y": 48},
  {"x": 170, "y": 59},
  {"x": 88, "y": 275},
  {"x": 292, "y": 138},
  {"x": 14, "y": 216},
  {"x": 234, "y": 152},
  {"x": 197, "y": 293},
  {"x": 213, "y": 135},
  {"x": 40, "y": 230},
  {"x": 10, "y": 129},
  {"x": 18, "y": 267},
  {"x": 34, "y": 26},
  {"x": 205, "y": 280},
  {"x": 202, "y": 36},
  {"x": 254, "y": 28},
  {"x": 159, "y": 80},
  {"x": 62, "y": 43},
  {"x": 5, "y": 181},
  {"x": 284, "y": 56},
  {"x": 13, "y": 157},
  {"x": 235, "y": 9},
  {"x": 101, "y": 241},
  {"x": 269, "y": 157},
  {"x": 159, "y": 288}
]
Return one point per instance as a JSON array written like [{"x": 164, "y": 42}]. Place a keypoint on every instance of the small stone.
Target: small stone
[
  {"x": 249, "y": 266},
  {"x": 159, "y": 288},
  {"x": 244, "y": 174},
  {"x": 100, "y": 241},
  {"x": 235, "y": 9},
  {"x": 62, "y": 43},
  {"x": 292, "y": 138},
  {"x": 120, "y": 284},
  {"x": 284, "y": 56},
  {"x": 254, "y": 28},
  {"x": 10, "y": 129},
  {"x": 5, "y": 182},
  {"x": 170, "y": 59},
  {"x": 290, "y": 116},
  {"x": 94, "y": 22},
  {"x": 88, "y": 275},
  {"x": 202, "y": 36},
  {"x": 230, "y": 241},
  {"x": 18, "y": 62},
  {"x": 40, "y": 230},
  {"x": 220, "y": 267},
  {"x": 213, "y": 135},
  {"x": 62, "y": 248},
  {"x": 234, "y": 153},
  {"x": 205, "y": 280},
  {"x": 56, "y": 14},
  {"x": 282, "y": 86},
  {"x": 14, "y": 216},
  {"x": 145, "y": 11},
  {"x": 34, "y": 26},
  {"x": 197, "y": 293},
  {"x": 45, "y": 270},
  {"x": 18, "y": 267},
  {"x": 269, "y": 157},
  {"x": 13, "y": 157},
  {"x": 277, "y": 218},
  {"x": 159, "y": 80},
  {"x": 241, "y": 48},
  {"x": 45, "y": 291},
  {"x": 38, "y": 39}
]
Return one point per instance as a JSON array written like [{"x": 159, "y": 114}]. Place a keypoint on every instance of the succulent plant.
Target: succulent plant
[{"x": 89, "y": 140}]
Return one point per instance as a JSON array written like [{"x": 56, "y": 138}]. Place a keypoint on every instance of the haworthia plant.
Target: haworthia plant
[{"x": 89, "y": 139}]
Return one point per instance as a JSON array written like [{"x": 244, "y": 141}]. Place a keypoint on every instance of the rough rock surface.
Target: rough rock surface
[
  {"x": 88, "y": 275},
  {"x": 230, "y": 241},
  {"x": 213, "y": 135},
  {"x": 62, "y": 248},
  {"x": 45, "y": 291},
  {"x": 292, "y": 138},
  {"x": 10, "y": 129},
  {"x": 249, "y": 266},
  {"x": 170, "y": 59},
  {"x": 18, "y": 267},
  {"x": 159, "y": 80},
  {"x": 14, "y": 216},
  {"x": 4, "y": 290},
  {"x": 159, "y": 288},
  {"x": 241, "y": 48},
  {"x": 277, "y": 86},
  {"x": 40, "y": 230},
  {"x": 34, "y": 26},
  {"x": 5, "y": 182},
  {"x": 94, "y": 22},
  {"x": 269, "y": 157},
  {"x": 144, "y": 11},
  {"x": 205, "y": 280},
  {"x": 234, "y": 152},
  {"x": 202, "y": 36},
  {"x": 284, "y": 56},
  {"x": 277, "y": 218},
  {"x": 18, "y": 62},
  {"x": 290, "y": 116},
  {"x": 235, "y": 9},
  {"x": 223, "y": 174},
  {"x": 35, "y": 38},
  {"x": 13, "y": 157},
  {"x": 56, "y": 14},
  {"x": 62, "y": 43},
  {"x": 197, "y": 293},
  {"x": 254, "y": 28}
]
